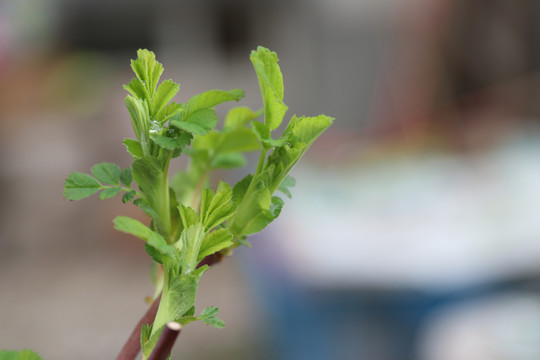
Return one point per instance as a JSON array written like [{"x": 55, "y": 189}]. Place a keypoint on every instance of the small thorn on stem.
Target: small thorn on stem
[{"x": 166, "y": 341}]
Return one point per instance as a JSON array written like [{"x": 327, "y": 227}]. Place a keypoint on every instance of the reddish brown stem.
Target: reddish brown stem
[
  {"x": 131, "y": 348},
  {"x": 166, "y": 341},
  {"x": 210, "y": 260},
  {"x": 133, "y": 344}
]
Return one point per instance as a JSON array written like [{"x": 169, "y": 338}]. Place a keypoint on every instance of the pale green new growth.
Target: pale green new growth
[
  {"x": 152, "y": 238},
  {"x": 18, "y": 355},
  {"x": 266, "y": 66},
  {"x": 189, "y": 219}
]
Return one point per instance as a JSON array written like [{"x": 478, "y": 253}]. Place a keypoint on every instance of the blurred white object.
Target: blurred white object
[
  {"x": 436, "y": 222},
  {"x": 506, "y": 327}
]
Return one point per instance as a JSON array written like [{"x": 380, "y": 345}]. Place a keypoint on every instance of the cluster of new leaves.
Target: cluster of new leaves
[
  {"x": 189, "y": 220},
  {"x": 254, "y": 194}
]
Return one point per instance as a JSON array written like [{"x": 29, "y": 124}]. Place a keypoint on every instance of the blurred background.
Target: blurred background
[{"x": 414, "y": 228}]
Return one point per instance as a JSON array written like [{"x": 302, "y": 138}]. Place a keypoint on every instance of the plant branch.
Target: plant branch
[
  {"x": 166, "y": 341},
  {"x": 132, "y": 347}
]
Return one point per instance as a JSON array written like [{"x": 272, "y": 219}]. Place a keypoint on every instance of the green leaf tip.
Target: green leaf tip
[
  {"x": 307, "y": 129},
  {"x": 211, "y": 98},
  {"x": 208, "y": 316},
  {"x": 199, "y": 122},
  {"x": 134, "y": 148},
  {"x": 147, "y": 69},
  {"x": 165, "y": 93},
  {"x": 109, "y": 193},
  {"x": 217, "y": 208},
  {"x": 107, "y": 173},
  {"x": 265, "y": 63},
  {"x": 79, "y": 186},
  {"x": 240, "y": 116},
  {"x": 215, "y": 241},
  {"x": 136, "y": 228},
  {"x": 125, "y": 176},
  {"x": 288, "y": 182}
]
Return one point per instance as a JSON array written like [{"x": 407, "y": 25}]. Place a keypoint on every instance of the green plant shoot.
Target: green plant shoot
[{"x": 189, "y": 220}]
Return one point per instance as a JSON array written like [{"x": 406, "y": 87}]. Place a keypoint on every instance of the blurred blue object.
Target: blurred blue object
[
  {"x": 358, "y": 263},
  {"x": 351, "y": 324}
]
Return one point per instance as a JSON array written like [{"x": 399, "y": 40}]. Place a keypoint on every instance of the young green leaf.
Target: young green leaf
[
  {"x": 229, "y": 141},
  {"x": 240, "y": 116},
  {"x": 242, "y": 240},
  {"x": 184, "y": 184},
  {"x": 199, "y": 122},
  {"x": 79, "y": 185},
  {"x": 148, "y": 175},
  {"x": 266, "y": 66},
  {"x": 19, "y": 355},
  {"x": 136, "y": 228},
  {"x": 109, "y": 193},
  {"x": 165, "y": 92},
  {"x": 177, "y": 299},
  {"x": 215, "y": 241},
  {"x": 190, "y": 312},
  {"x": 228, "y": 161},
  {"x": 208, "y": 142},
  {"x": 28, "y": 355},
  {"x": 169, "y": 111},
  {"x": 182, "y": 290},
  {"x": 186, "y": 319},
  {"x": 149, "y": 210},
  {"x": 216, "y": 208},
  {"x": 306, "y": 129},
  {"x": 262, "y": 132},
  {"x": 276, "y": 206},
  {"x": 208, "y": 316},
  {"x": 211, "y": 98},
  {"x": 147, "y": 69},
  {"x": 134, "y": 148},
  {"x": 237, "y": 140},
  {"x": 9, "y": 355},
  {"x": 127, "y": 197},
  {"x": 146, "y": 330},
  {"x": 137, "y": 89},
  {"x": 286, "y": 184},
  {"x": 107, "y": 173},
  {"x": 154, "y": 253},
  {"x": 188, "y": 215},
  {"x": 241, "y": 188},
  {"x": 253, "y": 213},
  {"x": 125, "y": 177},
  {"x": 173, "y": 143},
  {"x": 191, "y": 238},
  {"x": 140, "y": 120},
  {"x": 300, "y": 134}
]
